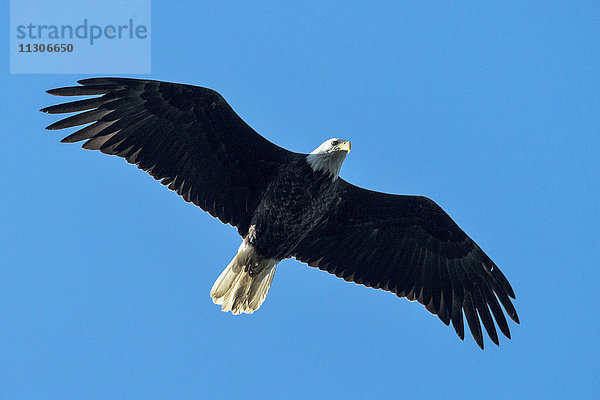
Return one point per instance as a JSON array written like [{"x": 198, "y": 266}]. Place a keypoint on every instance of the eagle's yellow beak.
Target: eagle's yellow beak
[{"x": 345, "y": 145}]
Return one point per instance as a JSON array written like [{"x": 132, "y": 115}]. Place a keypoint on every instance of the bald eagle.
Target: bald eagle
[{"x": 287, "y": 204}]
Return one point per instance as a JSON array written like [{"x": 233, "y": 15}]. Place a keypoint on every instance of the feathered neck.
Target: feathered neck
[{"x": 329, "y": 163}]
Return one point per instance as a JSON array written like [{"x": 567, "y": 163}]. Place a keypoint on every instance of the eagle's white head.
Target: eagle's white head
[{"x": 329, "y": 156}]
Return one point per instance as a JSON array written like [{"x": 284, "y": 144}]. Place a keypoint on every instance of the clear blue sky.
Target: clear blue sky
[{"x": 491, "y": 110}]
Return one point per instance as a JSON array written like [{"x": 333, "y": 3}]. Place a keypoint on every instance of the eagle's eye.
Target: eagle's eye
[{"x": 334, "y": 143}]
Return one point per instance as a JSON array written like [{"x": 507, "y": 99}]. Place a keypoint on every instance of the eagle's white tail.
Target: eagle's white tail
[{"x": 243, "y": 285}]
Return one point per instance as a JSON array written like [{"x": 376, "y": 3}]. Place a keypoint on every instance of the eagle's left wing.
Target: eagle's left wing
[{"x": 410, "y": 246}]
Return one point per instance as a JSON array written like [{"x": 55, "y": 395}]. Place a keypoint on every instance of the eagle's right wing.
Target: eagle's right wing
[{"x": 187, "y": 137}]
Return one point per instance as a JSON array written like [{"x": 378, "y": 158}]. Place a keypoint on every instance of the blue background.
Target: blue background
[{"x": 492, "y": 110}]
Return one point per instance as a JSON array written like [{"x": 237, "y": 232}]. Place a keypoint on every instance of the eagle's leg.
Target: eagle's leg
[{"x": 243, "y": 285}]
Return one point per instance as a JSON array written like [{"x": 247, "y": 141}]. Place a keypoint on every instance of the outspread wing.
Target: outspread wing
[
  {"x": 187, "y": 137},
  {"x": 410, "y": 246}
]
